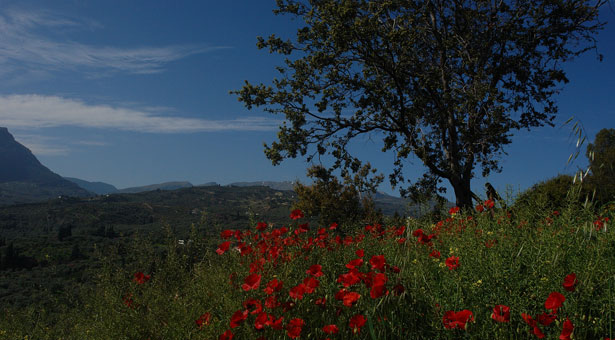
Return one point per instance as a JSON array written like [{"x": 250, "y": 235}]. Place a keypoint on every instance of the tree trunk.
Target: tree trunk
[{"x": 463, "y": 193}]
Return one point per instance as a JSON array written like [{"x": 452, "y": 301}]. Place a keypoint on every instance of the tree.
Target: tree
[
  {"x": 445, "y": 81},
  {"x": 548, "y": 195},
  {"x": 601, "y": 156},
  {"x": 335, "y": 201}
]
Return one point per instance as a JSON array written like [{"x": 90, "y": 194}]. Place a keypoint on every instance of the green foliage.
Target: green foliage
[
  {"x": 445, "y": 81},
  {"x": 601, "y": 155},
  {"x": 47, "y": 248},
  {"x": 552, "y": 194},
  {"x": 333, "y": 201},
  {"x": 515, "y": 261}
]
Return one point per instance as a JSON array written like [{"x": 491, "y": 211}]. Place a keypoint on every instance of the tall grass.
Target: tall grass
[{"x": 516, "y": 260}]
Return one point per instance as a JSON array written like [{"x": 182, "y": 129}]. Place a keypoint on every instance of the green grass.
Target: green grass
[{"x": 515, "y": 261}]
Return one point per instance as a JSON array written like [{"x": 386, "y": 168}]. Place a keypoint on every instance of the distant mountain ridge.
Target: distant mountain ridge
[
  {"x": 160, "y": 186},
  {"x": 99, "y": 188},
  {"x": 284, "y": 185},
  {"x": 388, "y": 204},
  {"x": 23, "y": 179}
]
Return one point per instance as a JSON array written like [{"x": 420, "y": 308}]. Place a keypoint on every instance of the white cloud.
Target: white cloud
[
  {"x": 24, "y": 47},
  {"x": 37, "y": 111}
]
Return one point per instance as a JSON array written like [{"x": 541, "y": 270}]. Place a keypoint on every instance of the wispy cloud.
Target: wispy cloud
[
  {"x": 37, "y": 111},
  {"x": 26, "y": 44}
]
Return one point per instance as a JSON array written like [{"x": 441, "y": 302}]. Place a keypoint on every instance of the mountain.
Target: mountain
[
  {"x": 99, "y": 188},
  {"x": 161, "y": 186},
  {"x": 285, "y": 185},
  {"x": 23, "y": 179}
]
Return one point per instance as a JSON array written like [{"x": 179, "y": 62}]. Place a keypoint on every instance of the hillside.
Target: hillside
[
  {"x": 23, "y": 179},
  {"x": 160, "y": 186},
  {"x": 99, "y": 188},
  {"x": 60, "y": 240}
]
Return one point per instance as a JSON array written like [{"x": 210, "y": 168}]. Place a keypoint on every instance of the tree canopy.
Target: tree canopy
[
  {"x": 445, "y": 81},
  {"x": 334, "y": 201},
  {"x": 601, "y": 156}
]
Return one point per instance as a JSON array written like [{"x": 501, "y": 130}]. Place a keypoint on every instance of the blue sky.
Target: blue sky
[{"x": 137, "y": 92}]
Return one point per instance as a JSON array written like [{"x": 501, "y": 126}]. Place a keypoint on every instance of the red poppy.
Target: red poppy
[
  {"x": 277, "y": 324},
  {"x": 435, "y": 254},
  {"x": 528, "y": 319},
  {"x": 501, "y": 313},
  {"x": 360, "y": 252},
  {"x": 310, "y": 284},
  {"x": 554, "y": 301},
  {"x": 546, "y": 319},
  {"x": 452, "y": 262},
  {"x": 141, "y": 278},
  {"x": 480, "y": 208},
  {"x": 320, "y": 302},
  {"x": 378, "y": 262},
  {"x": 532, "y": 323},
  {"x": 350, "y": 298},
  {"x": 273, "y": 286},
  {"x": 349, "y": 279},
  {"x": 260, "y": 226},
  {"x": 567, "y": 329},
  {"x": 378, "y": 286},
  {"x": 570, "y": 281},
  {"x": 251, "y": 282},
  {"x": 238, "y": 317},
  {"x": 417, "y": 232},
  {"x": 204, "y": 319},
  {"x": 452, "y": 319},
  {"x": 489, "y": 204},
  {"x": 296, "y": 214},
  {"x": 302, "y": 228},
  {"x": 294, "y": 328},
  {"x": 356, "y": 322},
  {"x": 426, "y": 239},
  {"x": 271, "y": 302},
  {"x": 297, "y": 291},
  {"x": 128, "y": 301},
  {"x": 223, "y": 247},
  {"x": 228, "y": 335},
  {"x": 253, "y": 304},
  {"x": 262, "y": 320},
  {"x": 315, "y": 270},
  {"x": 354, "y": 263},
  {"x": 333, "y": 226},
  {"x": 227, "y": 234},
  {"x": 330, "y": 329},
  {"x": 453, "y": 210}
]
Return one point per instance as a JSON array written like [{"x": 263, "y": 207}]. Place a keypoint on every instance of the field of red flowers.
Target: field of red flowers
[{"x": 489, "y": 274}]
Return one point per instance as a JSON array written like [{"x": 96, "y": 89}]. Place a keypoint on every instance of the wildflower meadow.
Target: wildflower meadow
[{"x": 486, "y": 274}]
